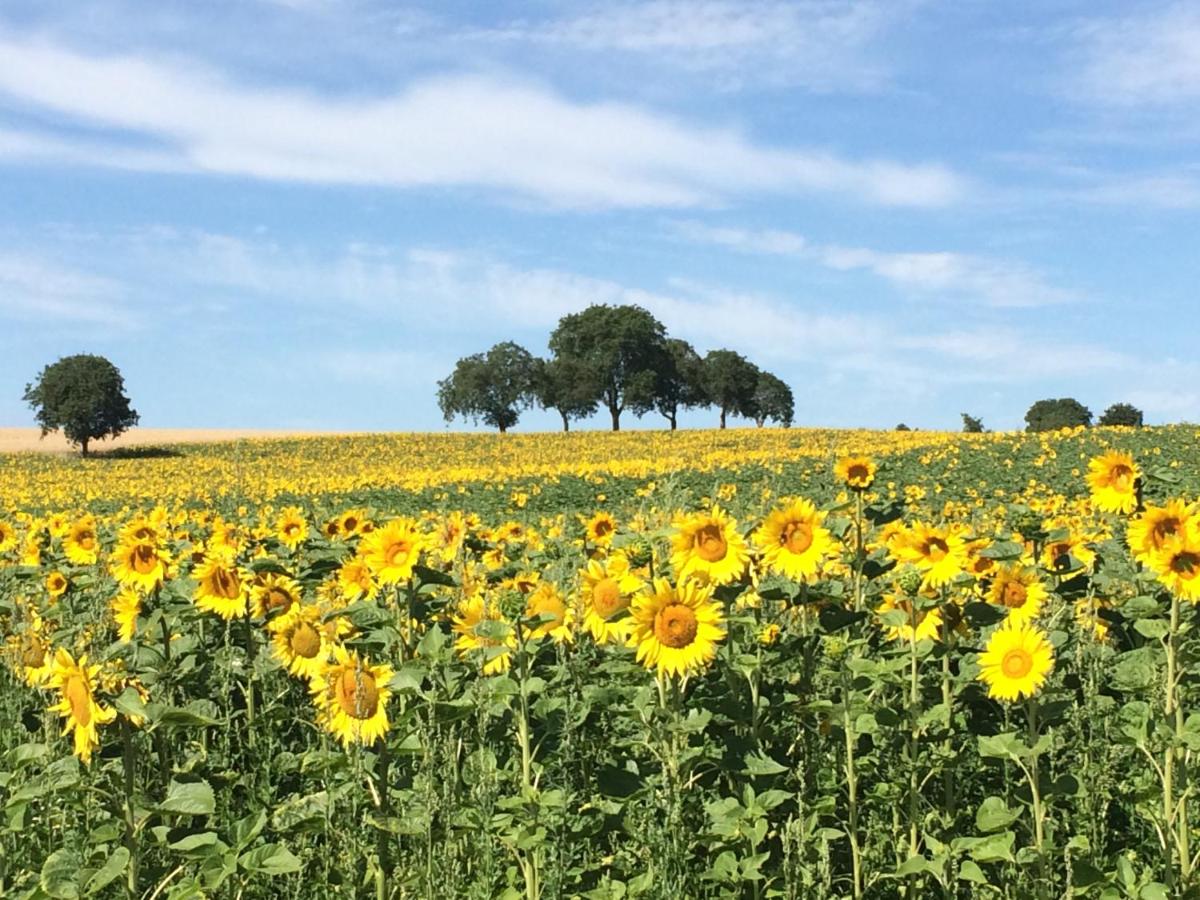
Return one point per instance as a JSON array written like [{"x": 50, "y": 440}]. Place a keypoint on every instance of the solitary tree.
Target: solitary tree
[
  {"x": 493, "y": 387},
  {"x": 1122, "y": 414},
  {"x": 84, "y": 395},
  {"x": 680, "y": 384},
  {"x": 730, "y": 381},
  {"x": 565, "y": 386},
  {"x": 772, "y": 400},
  {"x": 621, "y": 348},
  {"x": 971, "y": 425},
  {"x": 1050, "y": 415}
]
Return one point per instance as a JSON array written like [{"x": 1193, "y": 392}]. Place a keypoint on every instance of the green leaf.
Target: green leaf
[
  {"x": 193, "y": 798},
  {"x": 270, "y": 859},
  {"x": 1154, "y": 891},
  {"x": 108, "y": 872},
  {"x": 1155, "y": 629},
  {"x": 58, "y": 876},
  {"x": 994, "y": 848},
  {"x": 1002, "y": 746},
  {"x": 994, "y": 815},
  {"x": 970, "y": 871},
  {"x": 761, "y": 764}
]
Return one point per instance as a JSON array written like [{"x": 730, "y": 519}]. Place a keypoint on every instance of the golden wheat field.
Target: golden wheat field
[{"x": 744, "y": 663}]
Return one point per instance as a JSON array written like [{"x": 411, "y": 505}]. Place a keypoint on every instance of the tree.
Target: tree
[
  {"x": 730, "y": 380},
  {"x": 621, "y": 348},
  {"x": 564, "y": 385},
  {"x": 903, "y": 427},
  {"x": 84, "y": 395},
  {"x": 772, "y": 400},
  {"x": 1121, "y": 414},
  {"x": 494, "y": 387},
  {"x": 680, "y": 384},
  {"x": 1050, "y": 415},
  {"x": 971, "y": 425}
]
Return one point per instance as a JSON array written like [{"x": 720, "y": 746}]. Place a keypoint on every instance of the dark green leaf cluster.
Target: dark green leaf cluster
[
  {"x": 84, "y": 396},
  {"x": 1051, "y": 415},
  {"x": 1122, "y": 414},
  {"x": 492, "y": 387}
]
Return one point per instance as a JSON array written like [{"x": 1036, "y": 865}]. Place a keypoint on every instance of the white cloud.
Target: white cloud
[
  {"x": 34, "y": 290},
  {"x": 462, "y": 131},
  {"x": 999, "y": 283},
  {"x": 1142, "y": 59}
]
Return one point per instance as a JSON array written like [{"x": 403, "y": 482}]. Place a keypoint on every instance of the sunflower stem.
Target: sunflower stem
[
  {"x": 858, "y": 550},
  {"x": 851, "y": 786},
  {"x": 383, "y": 847},
  {"x": 1034, "y": 791},
  {"x": 914, "y": 715},
  {"x": 129, "y": 766}
]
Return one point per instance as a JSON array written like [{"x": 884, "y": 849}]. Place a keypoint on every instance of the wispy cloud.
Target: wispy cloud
[
  {"x": 460, "y": 131},
  {"x": 35, "y": 290},
  {"x": 999, "y": 283}
]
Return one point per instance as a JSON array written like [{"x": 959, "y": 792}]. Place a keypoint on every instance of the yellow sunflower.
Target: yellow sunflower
[
  {"x": 56, "y": 584},
  {"x": 58, "y": 525},
  {"x": 220, "y": 586},
  {"x": 1112, "y": 478},
  {"x": 1019, "y": 590},
  {"x": 856, "y": 472},
  {"x": 1151, "y": 531},
  {"x": 793, "y": 541},
  {"x": 148, "y": 529},
  {"x": 301, "y": 641},
  {"x": 273, "y": 594},
  {"x": 1057, "y": 554},
  {"x": 391, "y": 552},
  {"x": 928, "y": 621},
  {"x": 35, "y": 654},
  {"x": 676, "y": 629},
  {"x": 449, "y": 534},
  {"x": 481, "y": 626},
  {"x": 1087, "y": 616},
  {"x": 355, "y": 580},
  {"x": 8, "y": 537},
  {"x": 76, "y": 683},
  {"x": 710, "y": 545},
  {"x": 1177, "y": 564},
  {"x": 351, "y": 696},
  {"x": 600, "y": 529},
  {"x": 549, "y": 614},
  {"x": 81, "y": 544},
  {"x": 940, "y": 553},
  {"x": 607, "y": 590},
  {"x": 291, "y": 528},
  {"x": 125, "y": 609},
  {"x": 1016, "y": 662},
  {"x": 139, "y": 565}
]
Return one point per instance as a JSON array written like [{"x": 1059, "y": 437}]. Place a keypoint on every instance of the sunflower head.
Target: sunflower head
[
  {"x": 1157, "y": 526},
  {"x": 291, "y": 528},
  {"x": 351, "y": 696},
  {"x": 856, "y": 472},
  {"x": 1016, "y": 662},
  {"x": 1018, "y": 590},
  {"x": 793, "y": 540},
  {"x": 549, "y": 615},
  {"x": 392, "y": 551},
  {"x": 676, "y": 628},
  {"x": 1113, "y": 478},
  {"x": 601, "y": 529},
  {"x": 708, "y": 544}
]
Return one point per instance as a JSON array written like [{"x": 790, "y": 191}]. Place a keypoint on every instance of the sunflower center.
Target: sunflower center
[
  {"x": 305, "y": 641},
  {"x": 225, "y": 584},
  {"x": 397, "y": 554},
  {"x": 87, "y": 540},
  {"x": 1017, "y": 663},
  {"x": 607, "y": 599},
  {"x": 278, "y": 598},
  {"x": 936, "y": 549},
  {"x": 857, "y": 473},
  {"x": 1121, "y": 477},
  {"x": 1013, "y": 595},
  {"x": 602, "y": 528},
  {"x": 1165, "y": 528},
  {"x": 144, "y": 533},
  {"x": 710, "y": 543},
  {"x": 56, "y": 582},
  {"x": 145, "y": 560},
  {"x": 357, "y": 694},
  {"x": 80, "y": 697},
  {"x": 35, "y": 654},
  {"x": 1186, "y": 565},
  {"x": 797, "y": 537},
  {"x": 548, "y": 606},
  {"x": 675, "y": 626},
  {"x": 1060, "y": 555}
]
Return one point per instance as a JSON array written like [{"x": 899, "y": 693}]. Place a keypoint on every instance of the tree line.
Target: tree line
[{"x": 619, "y": 358}]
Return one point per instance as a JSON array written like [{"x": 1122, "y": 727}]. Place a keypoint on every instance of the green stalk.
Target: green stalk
[
  {"x": 851, "y": 786},
  {"x": 129, "y": 766},
  {"x": 383, "y": 847},
  {"x": 858, "y": 550}
]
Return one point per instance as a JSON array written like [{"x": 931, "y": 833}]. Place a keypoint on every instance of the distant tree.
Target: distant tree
[
  {"x": 772, "y": 400},
  {"x": 1121, "y": 414},
  {"x": 84, "y": 395},
  {"x": 680, "y": 383},
  {"x": 565, "y": 386},
  {"x": 1050, "y": 415},
  {"x": 621, "y": 348},
  {"x": 730, "y": 380},
  {"x": 971, "y": 425},
  {"x": 493, "y": 387},
  {"x": 903, "y": 427}
]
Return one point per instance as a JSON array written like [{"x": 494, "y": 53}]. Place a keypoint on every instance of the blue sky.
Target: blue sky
[{"x": 299, "y": 213}]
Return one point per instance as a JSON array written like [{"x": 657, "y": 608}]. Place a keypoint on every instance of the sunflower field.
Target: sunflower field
[{"x": 749, "y": 664}]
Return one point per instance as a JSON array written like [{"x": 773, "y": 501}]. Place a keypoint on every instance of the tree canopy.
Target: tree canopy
[
  {"x": 1050, "y": 415},
  {"x": 730, "y": 381},
  {"x": 680, "y": 385},
  {"x": 84, "y": 396},
  {"x": 565, "y": 386},
  {"x": 1122, "y": 414},
  {"x": 492, "y": 387},
  {"x": 971, "y": 425},
  {"x": 772, "y": 400}
]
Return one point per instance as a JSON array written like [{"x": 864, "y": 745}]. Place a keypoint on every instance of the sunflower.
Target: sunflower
[
  {"x": 928, "y": 621},
  {"x": 1087, "y": 616},
  {"x": 600, "y": 529},
  {"x": 8, "y": 537},
  {"x": 1177, "y": 564},
  {"x": 1018, "y": 589},
  {"x": 449, "y": 535},
  {"x": 481, "y": 626},
  {"x": 391, "y": 552},
  {"x": 676, "y": 629},
  {"x": 291, "y": 528},
  {"x": 1151, "y": 531},
  {"x": 56, "y": 584},
  {"x": 608, "y": 586},
  {"x": 355, "y": 580},
  {"x": 940, "y": 553},
  {"x": 977, "y": 564},
  {"x": 58, "y": 525},
  {"x": 142, "y": 528},
  {"x": 1016, "y": 661},
  {"x": 125, "y": 609},
  {"x": 273, "y": 594},
  {"x": 549, "y": 614},
  {"x": 352, "y": 521},
  {"x": 34, "y": 653},
  {"x": 76, "y": 682},
  {"x": 708, "y": 544},
  {"x": 1112, "y": 478},
  {"x": 81, "y": 544},
  {"x": 301, "y": 642},
  {"x": 1057, "y": 554},
  {"x": 351, "y": 696},
  {"x": 139, "y": 565},
  {"x": 857, "y": 472},
  {"x": 31, "y": 551},
  {"x": 793, "y": 540},
  {"x": 220, "y": 587}
]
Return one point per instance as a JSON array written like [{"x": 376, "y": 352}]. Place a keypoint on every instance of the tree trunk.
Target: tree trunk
[
  {"x": 566, "y": 421},
  {"x": 83, "y": 451},
  {"x": 722, "y": 417},
  {"x": 674, "y": 424},
  {"x": 616, "y": 418},
  {"x": 503, "y": 429},
  {"x": 759, "y": 422}
]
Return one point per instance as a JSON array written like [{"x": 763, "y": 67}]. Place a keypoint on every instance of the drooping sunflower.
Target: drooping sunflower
[
  {"x": 56, "y": 584},
  {"x": 1151, "y": 531},
  {"x": 391, "y": 551},
  {"x": 355, "y": 580},
  {"x": 977, "y": 564},
  {"x": 856, "y": 472},
  {"x": 139, "y": 565},
  {"x": 939, "y": 553},
  {"x": 793, "y": 541},
  {"x": 549, "y": 614},
  {"x": 928, "y": 621},
  {"x": 351, "y": 696},
  {"x": 81, "y": 544},
  {"x": 600, "y": 529},
  {"x": 676, "y": 628},
  {"x": 273, "y": 594},
  {"x": 125, "y": 609},
  {"x": 605, "y": 595},
  {"x": 482, "y": 628},
  {"x": 300, "y": 641},
  {"x": 291, "y": 528},
  {"x": 220, "y": 585},
  {"x": 76, "y": 684},
  {"x": 708, "y": 544},
  {"x": 1019, "y": 590},
  {"x": 1177, "y": 564},
  {"x": 35, "y": 655},
  {"x": 1112, "y": 478},
  {"x": 1016, "y": 662}
]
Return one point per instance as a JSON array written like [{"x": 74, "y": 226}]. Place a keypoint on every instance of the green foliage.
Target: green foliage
[
  {"x": 84, "y": 396},
  {"x": 971, "y": 425},
  {"x": 1051, "y": 415},
  {"x": 1122, "y": 414},
  {"x": 902, "y": 427},
  {"x": 566, "y": 386},
  {"x": 772, "y": 401},
  {"x": 493, "y": 387},
  {"x": 680, "y": 383},
  {"x": 730, "y": 381}
]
